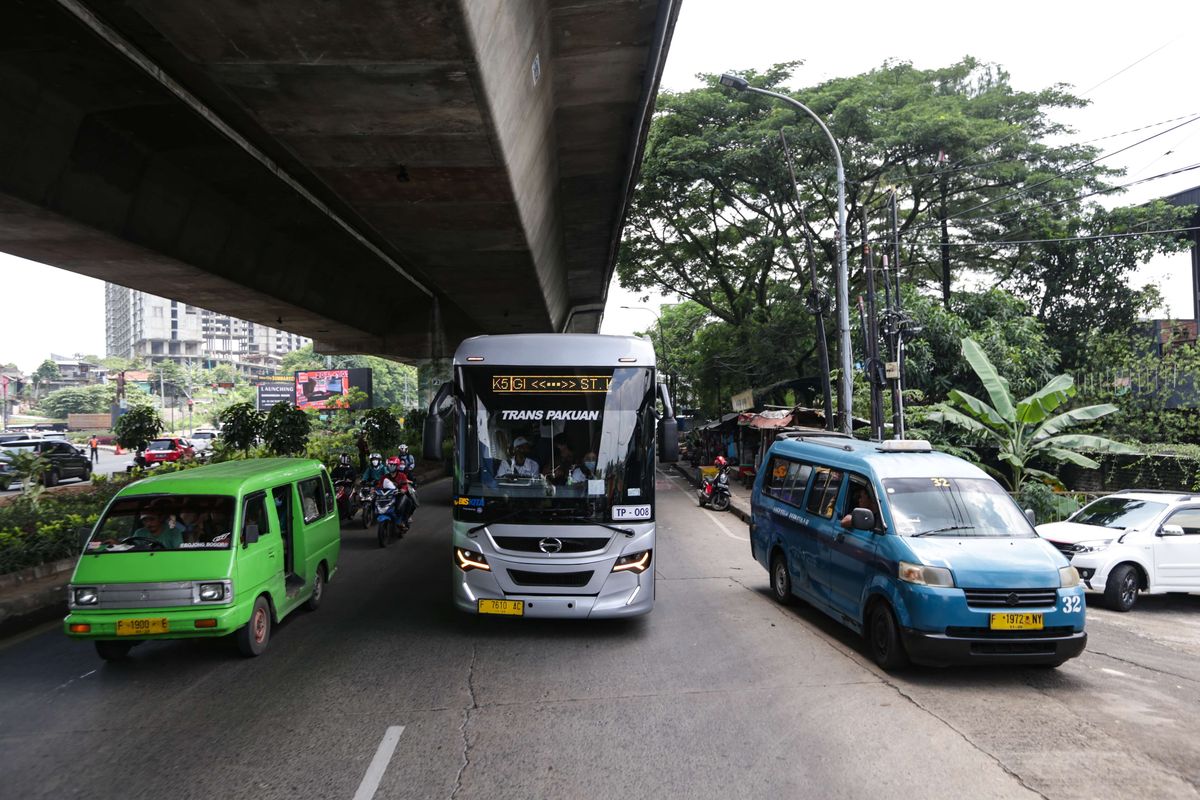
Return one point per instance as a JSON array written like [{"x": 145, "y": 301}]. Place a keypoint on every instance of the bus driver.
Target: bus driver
[{"x": 520, "y": 465}]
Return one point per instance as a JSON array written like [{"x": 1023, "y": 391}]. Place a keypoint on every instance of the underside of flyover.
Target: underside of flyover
[{"x": 384, "y": 176}]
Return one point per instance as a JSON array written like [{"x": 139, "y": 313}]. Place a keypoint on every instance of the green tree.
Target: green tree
[
  {"x": 285, "y": 429},
  {"x": 301, "y": 359},
  {"x": 1027, "y": 430},
  {"x": 136, "y": 427},
  {"x": 96, "y": 399},
  {"x": 381, "y": 428},
  {"x": 241, "y": 426},
  {"x": 47, "y": 371}
]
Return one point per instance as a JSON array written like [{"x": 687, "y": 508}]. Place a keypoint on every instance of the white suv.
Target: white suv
[{"x": 1133, "y": 541}]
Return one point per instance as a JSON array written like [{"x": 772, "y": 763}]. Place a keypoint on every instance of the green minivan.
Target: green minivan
[{"x": 222, "y": 549}]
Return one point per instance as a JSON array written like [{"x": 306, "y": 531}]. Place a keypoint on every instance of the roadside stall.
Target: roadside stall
[{"x": 755, "y": 428}]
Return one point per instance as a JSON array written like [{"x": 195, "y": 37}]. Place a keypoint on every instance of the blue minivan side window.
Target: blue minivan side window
[
  {"x": 787, "y": 480},
  {"x": 823, "y": 497}
]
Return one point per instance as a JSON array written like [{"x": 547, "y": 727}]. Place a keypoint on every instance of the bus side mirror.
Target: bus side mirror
[
  {"x": 434, "y": 430},
  {"x": 250, "y": 533},
  {"x": 670, "y": 440}
]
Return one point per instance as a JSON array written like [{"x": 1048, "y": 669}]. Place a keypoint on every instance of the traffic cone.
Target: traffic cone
[{"x": 117, "y": 450}]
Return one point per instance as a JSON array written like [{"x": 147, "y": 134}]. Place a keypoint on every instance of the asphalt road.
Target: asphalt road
[
  {"x": 718, "y": 693},
  {"x": 107, "y": 465}
]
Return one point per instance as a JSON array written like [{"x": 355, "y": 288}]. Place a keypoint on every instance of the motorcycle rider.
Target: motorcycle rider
[
  {"x": 407, "y": 462},
  {"x": 344, "y": 471},
  {"x": 398, "y": 479},
  {"x": 375, "y": 471}
]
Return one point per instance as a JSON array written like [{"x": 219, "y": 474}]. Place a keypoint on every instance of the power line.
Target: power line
[{"x": 1097, "y": 237}]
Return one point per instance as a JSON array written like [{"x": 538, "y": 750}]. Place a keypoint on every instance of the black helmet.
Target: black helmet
[{"x": 344, "y": 460}]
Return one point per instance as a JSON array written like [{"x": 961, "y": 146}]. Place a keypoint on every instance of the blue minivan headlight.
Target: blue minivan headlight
[
  {"x": 925, "y": 576},
  {"x": 1068, "y": 577}
]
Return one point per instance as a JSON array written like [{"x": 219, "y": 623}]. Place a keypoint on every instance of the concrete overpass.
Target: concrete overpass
[{"x": 384, "y": 176}]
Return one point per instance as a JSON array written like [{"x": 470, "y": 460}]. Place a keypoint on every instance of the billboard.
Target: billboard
[
  {"x": 271, "y": 393},
  {"x": 327, "y": 388}
]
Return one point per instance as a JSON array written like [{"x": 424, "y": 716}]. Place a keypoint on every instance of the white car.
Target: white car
[
  {"x": 1132, "y": 542},
  {"x": 202, "y": 439}
]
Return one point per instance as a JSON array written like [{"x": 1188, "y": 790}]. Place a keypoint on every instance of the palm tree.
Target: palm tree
[{"x": 1029, "y": 429}]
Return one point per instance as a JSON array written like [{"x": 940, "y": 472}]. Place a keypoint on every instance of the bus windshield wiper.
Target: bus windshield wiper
[
  {"x": 617, "y": 528},
  {"x": 941, "y": 530}
]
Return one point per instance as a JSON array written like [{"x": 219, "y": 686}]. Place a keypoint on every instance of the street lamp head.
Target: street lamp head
[{"x": 734, "y": 81}]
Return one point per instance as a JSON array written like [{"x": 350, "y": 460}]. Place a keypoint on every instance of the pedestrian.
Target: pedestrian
[
  {"x": 94, "y": 444},
  {"x": 364, "y": 447}
]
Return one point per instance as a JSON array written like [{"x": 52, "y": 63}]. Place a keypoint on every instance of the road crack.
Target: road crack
[
  {"x": 466, "y": 740},
  {"x": 1141, "y": 666}
]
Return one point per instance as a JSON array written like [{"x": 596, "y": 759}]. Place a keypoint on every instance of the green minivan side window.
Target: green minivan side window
[
  {"x": 312, "y": 500},
  {"x": 256, "y": 514}
]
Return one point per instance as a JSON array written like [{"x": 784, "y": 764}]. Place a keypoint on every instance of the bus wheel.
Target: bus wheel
[
  {"x": 113, "y": 651},
  {"x": 253, "y": 637}
]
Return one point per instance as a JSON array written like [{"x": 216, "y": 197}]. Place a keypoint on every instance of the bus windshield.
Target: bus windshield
[{"x": 556, "y": 445}]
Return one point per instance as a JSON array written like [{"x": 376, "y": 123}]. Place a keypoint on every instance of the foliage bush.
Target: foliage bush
[
  {"x": 1046, "y": 504},
  {"x": 286, "y": 429},
  {"x": 137, "y": 427},
  {"x": 241, "y": 426}
]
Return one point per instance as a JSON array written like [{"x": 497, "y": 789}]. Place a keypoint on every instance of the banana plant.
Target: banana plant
[{"x": 1028, "y": 430}]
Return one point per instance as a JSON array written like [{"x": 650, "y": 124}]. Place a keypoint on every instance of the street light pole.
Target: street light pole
[{"x": 846, "y": 399}]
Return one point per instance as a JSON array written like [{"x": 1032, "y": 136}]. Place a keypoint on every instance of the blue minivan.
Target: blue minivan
[{"x": 921, "y": 552}]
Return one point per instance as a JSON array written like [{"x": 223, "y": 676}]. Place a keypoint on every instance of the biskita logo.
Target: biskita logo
[{"x": 469, "y": 502}]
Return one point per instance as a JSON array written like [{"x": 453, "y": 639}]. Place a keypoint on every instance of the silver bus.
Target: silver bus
[{"x": 554, "y": 456}]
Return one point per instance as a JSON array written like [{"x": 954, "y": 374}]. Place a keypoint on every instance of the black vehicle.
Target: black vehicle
[
  {"x": 714, "y": 491},
  {"x": 66, "y": 460}
]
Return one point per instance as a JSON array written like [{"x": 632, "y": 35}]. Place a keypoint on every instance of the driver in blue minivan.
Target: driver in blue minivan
[{"x": 920, "y": 552}]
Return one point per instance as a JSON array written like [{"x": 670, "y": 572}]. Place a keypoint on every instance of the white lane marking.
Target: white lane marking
[
  {"x": 68, "y": 683},
  {"x": 1118, "y": 673},
  {"x": 716, "y": 521},
  {"x": 379, "y": 764}
]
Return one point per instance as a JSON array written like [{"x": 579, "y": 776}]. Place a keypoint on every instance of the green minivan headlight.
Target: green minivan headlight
[
  {"x": 86, "y": 596},
  {"x": 212, "y": 591}
]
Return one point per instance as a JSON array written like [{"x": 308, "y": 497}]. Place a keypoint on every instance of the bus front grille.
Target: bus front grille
[
  {"x": 570, "y": 579},
  {"x": 569, "y": 544}
]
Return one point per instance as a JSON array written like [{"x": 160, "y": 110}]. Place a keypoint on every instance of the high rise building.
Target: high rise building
[{"x": 157, "y": 329}]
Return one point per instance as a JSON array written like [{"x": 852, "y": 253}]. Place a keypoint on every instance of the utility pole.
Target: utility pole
[
  {"x": 814, "y": 304},
  {"x": 874, "y": 372},
  {"x": 945, "y": 226}
]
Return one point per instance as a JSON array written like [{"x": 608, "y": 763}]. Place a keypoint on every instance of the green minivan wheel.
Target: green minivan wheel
[
  {"x": 113, "y": 651},
  {"x": 255, "y": 635},
  {"x": 318, "y": 589}
]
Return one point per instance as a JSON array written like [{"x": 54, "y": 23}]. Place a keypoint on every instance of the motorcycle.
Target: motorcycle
[
  {"x": 343, "y": 491},
  {"x": 364, "y": 499},
  {"x": 387, "y": 516},
  {"x": 715, "y": 491},
  {"x": 408, "y": 502}
]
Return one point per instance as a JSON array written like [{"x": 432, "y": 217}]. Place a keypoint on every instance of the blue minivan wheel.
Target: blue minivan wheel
[
  {"x": 883, "y": 639},
  {"x": 781, "y": 580}
]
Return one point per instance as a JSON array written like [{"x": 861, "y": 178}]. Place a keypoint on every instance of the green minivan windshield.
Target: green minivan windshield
[
  {"x": 954, "y": 507},
  {"x": 164, "y": 522}
]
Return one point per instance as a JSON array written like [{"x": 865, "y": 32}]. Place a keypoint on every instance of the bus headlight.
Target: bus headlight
[
  {"x": 86, "y": 596},
  {"x": 925, "y": 576},
  {"x": 634, "y": 562},
  {"x": 1068, "y": 577},
  {"x": 468, "y": 560}
]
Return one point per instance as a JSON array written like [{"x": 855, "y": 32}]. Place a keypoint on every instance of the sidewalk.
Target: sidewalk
[{"x": 739, "y": 504}]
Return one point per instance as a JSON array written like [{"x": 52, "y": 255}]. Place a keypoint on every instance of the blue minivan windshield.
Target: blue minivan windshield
[{"x": 954, "y": 507}]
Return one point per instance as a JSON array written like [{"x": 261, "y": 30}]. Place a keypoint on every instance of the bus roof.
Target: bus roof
[
  {"x": 860, "y": 456},
  {"x": 229, "y": 477},
  {"x": 556, "y": 350}
]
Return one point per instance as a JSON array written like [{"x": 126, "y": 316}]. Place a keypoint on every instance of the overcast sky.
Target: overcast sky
[{"x": 1134, "y": 62}]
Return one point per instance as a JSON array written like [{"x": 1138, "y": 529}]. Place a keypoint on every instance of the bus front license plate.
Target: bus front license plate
[
  {"x": 512, "y": 608},
  {"x": 142, "y": 627},
  {"x": 1017, "y": 622}
]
